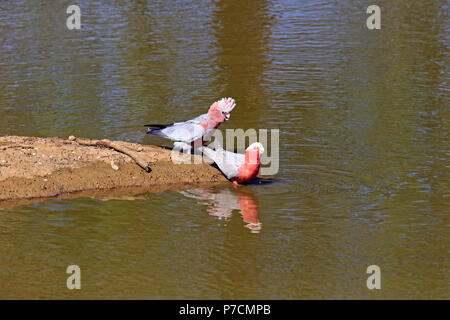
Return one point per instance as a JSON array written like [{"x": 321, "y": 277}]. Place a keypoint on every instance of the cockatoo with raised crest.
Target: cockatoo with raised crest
[{"x": 196, "y": 131}]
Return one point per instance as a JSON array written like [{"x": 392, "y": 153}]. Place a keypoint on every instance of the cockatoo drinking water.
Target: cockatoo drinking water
[
  {"x": 198, "y": 130},
  {"x": 235, "y": 166}
]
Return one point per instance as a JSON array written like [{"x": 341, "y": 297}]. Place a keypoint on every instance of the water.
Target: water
[{"x": 364, "y": 171}]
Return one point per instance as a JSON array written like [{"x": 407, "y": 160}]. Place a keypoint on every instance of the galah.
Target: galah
[
  {"x": 235, "y": 166},
  {"x": 198, "y": 130}
]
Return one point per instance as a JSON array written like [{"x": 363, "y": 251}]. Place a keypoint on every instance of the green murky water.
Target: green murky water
[{"x": 364, "y": 147}]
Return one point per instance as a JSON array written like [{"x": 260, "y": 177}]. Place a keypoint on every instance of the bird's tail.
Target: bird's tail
[{"x": 155, "y": 128}]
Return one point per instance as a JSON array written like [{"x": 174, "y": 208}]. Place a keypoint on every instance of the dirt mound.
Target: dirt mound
[{"x": 33, "y": 168}]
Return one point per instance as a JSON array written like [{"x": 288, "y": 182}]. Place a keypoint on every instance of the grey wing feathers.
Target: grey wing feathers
[
  {"x": 187, "y": 132},
  {"x": 210, "y": 153},
  {"x": 228, "y": 162},
  {"x": 184, "y": 132},
  {"x": 237, "y": 158},
  {"x": 200, "y": 118}
]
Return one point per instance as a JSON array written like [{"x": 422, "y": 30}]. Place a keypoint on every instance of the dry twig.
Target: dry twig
[{"x": 117, "y": 147}]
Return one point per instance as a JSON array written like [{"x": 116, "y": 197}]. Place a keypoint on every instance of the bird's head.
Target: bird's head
[
  {"x": 220, "y": 110},
  {"x": 257, "y": 147},
  {"x": 253, "y": 153}
]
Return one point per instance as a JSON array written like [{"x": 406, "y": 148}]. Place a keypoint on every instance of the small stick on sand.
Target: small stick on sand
[
  {"x": 117, "y": 147},
  {"x": 19, "y": 146}
]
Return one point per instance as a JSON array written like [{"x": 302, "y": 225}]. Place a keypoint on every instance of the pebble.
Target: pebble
[
  {"x": 72, "y": 138},
  {"x": 114, "y": 166},
  {"x": 140, "y": 149}
]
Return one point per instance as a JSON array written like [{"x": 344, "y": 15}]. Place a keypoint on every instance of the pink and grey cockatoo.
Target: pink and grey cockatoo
[
  {"x": 198, "y": 130},
  {"x": 235, "y": 166}
]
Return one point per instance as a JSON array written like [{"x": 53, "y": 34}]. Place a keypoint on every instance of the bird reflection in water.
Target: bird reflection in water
[{"x": 222, "y": 201}]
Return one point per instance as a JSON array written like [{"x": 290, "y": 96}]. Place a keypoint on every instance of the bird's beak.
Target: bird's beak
[{"x": 227, "y": 116}]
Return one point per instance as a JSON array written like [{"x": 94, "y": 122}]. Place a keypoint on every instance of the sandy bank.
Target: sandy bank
[{"x": 33, "y": 168}]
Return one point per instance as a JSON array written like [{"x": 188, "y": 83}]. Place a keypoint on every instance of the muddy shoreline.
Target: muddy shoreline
[{"x": 34, "y": 168}]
